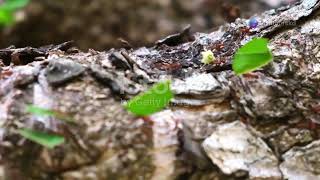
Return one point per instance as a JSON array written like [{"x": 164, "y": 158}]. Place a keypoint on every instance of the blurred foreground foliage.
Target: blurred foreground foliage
[{"x": 8, "y": 8}]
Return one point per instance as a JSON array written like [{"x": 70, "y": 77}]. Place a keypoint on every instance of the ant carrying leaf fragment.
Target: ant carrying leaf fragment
[
  {"x": 252, "y": 56},
  {"x": 38, "y": 111},
  {"x": 47, "y": 140},
  {"x": 151, "y": 101}
]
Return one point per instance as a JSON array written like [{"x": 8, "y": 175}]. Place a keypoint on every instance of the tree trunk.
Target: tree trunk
[{"x": 263, "y": 125}]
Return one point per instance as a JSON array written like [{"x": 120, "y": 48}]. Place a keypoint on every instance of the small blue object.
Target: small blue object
[{"x": 253, "y": 23}]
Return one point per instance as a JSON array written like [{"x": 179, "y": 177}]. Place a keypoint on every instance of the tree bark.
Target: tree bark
[{"x": 263, "y": 125}]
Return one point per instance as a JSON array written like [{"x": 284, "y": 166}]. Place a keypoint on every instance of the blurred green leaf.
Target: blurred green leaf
[
  {"x": 35, "y": 110},
  {"x": 8, "y": 8},
  {"x": 6, "y": 18},
  {"x": 13, "y": 5},
  {"x": 44, "y": 139},
  {"x": 151, "y": 101},
  {"x": 253, "y": 55}
]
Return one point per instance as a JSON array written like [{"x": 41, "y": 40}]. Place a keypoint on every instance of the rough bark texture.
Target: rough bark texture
[{"x": 219, "y": 126}]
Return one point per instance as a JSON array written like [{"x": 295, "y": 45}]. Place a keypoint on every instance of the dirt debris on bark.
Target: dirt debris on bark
[{"x": 279, "y": 102}]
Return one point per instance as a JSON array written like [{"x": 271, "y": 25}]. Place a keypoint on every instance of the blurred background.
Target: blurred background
[{"x": 98, "y": 24}]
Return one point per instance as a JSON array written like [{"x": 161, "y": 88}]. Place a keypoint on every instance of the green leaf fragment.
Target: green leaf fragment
[
  {"x": 253, "y": 55},
  {"x": 47, "y": 140},
  {"x": 207, "y": 57},
  {"x": 6, "y": 18},
  {"x": 13, "y": 5},
  {"x": 151, "y": 101},
  {"x": 35, "y": 110},
  {"x": 8, "y": 8}
]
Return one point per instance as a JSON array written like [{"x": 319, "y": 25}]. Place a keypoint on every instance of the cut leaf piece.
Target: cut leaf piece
[
  {"x": 44, "y": 139},
  {"x": 253, "y": 55},
  {"x": 35, "y": 110},
  {"x": 151, "y": 101},
  {"x": 207, "y": 57}
]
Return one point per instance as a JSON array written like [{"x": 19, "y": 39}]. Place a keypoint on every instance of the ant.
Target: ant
[
  {"x": 251, "y": 75},
  {"x": 5, "y": 73},
  {"x": 245, "y": 31},
  {"x": 220, "y": 61},
  {"x": 168, "y": 66},
  {"x": 253, "y": 23},
  {"x": 281, "y": 43},
  {"x": 219, "y": 46}
]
